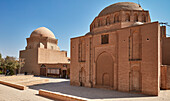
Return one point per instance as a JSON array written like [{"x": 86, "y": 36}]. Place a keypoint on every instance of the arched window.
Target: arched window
[
  {"x": 107, "y": 21},
  {"x": 99, "y": 23},
  {"x": 116, "y": 18},
  {"x": 143, "y": 18},
  {"x": 96, "y": 24},
  {"x": 127, "y": 18},
  {"x": 136, "y": 18}
]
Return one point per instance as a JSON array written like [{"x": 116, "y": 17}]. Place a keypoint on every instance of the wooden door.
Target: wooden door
[{"x": 42, "y": 71}]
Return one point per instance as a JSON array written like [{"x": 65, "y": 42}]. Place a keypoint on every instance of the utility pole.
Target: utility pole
[{"x": 164, "y": 24}]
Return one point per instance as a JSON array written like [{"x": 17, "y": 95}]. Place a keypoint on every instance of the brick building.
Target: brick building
[
  {"x": 123, "y": 51},
  {"x": 43, "y": 56}
]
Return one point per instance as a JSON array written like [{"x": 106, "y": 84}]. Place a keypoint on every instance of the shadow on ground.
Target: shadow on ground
[{"x": 90, "y": 93}]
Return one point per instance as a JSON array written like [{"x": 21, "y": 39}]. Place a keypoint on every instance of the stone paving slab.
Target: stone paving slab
[
  {"x": 63, "y": 86},
  {"x": 12, "y": 94},
  {"x": 94, "y": 94}
]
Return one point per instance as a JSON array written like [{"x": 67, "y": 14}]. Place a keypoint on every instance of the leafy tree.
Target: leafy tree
[
  {"x": 0, "y": 59},
  {"x": 0, "y": 63},
  {"x": 3, "y": 65},
  {"x": 0, "y": 56},
  {"x": 9, "y": 65}
]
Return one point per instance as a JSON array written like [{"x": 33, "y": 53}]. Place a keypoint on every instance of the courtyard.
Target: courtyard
[{"x": 63, "y": 86}]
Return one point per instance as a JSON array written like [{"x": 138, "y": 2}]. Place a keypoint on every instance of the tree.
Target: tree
[
  {"x": 0, "y": 56},
  {"x": 3, "y": 66},
  {"x": 9, "y": 65},
  {"x": 0, "y": 59},
  {"x": 0, "y": 64}
]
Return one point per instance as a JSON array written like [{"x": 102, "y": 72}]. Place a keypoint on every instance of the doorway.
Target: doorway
[
  {"x": 106, "y": 80},
  {"x": 42, "y": 71},
  {"x": 64, "y": 73},
  {"x": 104, "y": 70},
  {"x": 82, "y": 77},
  {"x": 135, "y": 81}
]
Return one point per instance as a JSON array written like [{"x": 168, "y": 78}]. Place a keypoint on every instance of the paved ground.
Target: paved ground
[
  {"x": 62, "y": 86},
  {"x": 94, "y": 94},
  {"x": 26, "y": 80},
  {"x": 12, "y": 94}
]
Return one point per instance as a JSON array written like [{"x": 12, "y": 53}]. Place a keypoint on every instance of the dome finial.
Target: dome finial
[{"x": 139, "y": 3}]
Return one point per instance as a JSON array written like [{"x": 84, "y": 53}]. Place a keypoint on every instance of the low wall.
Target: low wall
[
  {"x": 60, "y": 96},
  {"x": 20, "y": 87}
]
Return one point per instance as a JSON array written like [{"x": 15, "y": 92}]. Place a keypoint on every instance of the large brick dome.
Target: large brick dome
[
  {"x": 120, "y": 6},
  {"x": 43, "y": 32}
]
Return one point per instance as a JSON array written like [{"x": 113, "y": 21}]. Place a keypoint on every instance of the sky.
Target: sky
[{"x": 65, "y": 18}]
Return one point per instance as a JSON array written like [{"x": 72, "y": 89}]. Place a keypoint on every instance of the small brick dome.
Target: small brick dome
[
  {"x": 43, "y": 32},
  {"x": 120, "y": 6}
]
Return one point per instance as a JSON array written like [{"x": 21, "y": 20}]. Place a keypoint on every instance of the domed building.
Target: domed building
[
  {"x": 123, "y": 51},
  {"x": 43, "y": 56},
  {"x": 119, "y": 15}
]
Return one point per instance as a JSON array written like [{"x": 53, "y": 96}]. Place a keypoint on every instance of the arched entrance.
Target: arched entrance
[
  {"x": 104, "y": 70},
  {"x": 135, "y": 79},
  {"x": 106, "y": 79},
  {"x": 82, "y": 76},
  {"x": 42, "y": 70}
]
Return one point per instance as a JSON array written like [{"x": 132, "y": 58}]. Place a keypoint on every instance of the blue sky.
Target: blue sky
[{"x": 65, "y": 18}]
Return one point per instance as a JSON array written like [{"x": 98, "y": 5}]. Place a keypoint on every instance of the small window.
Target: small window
[
  {"x": 127, "y": 18},
  {"x": 143, "y": 18},
  {"x": 99, "y": 23},
  {"x": 116, "y": 18},
  {"x": 107, "y": 21},
  {"x": 52, "y": 47},
  {"x": 105, "y": 39},
  {"x": 64, "y": 65},
  {"x": 53, "y": 71},
  {"x": 136, "y": 18}
]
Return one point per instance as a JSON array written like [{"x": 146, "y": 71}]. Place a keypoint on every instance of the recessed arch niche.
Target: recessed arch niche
[{"x": 104, "y": 70}]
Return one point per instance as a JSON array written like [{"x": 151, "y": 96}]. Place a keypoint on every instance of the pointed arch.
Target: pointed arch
[
  {"x": 99, "y": 23},
  {"x": 104, "y": 65},
  {"x": 107, "y": 20},
  {"x": 143, "y": 18},
  {"x": 113, "y": 58},
  {"x": 116, "y": 18},
  {"x": 82, "y": 76},
  {"x": 127, "y": 19},
  {"x": 136, "y": 18},
  {"x": 106, "y": 79}
]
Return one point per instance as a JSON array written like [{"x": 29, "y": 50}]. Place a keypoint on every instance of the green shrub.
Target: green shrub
[{"x": 1, "y": 72}]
